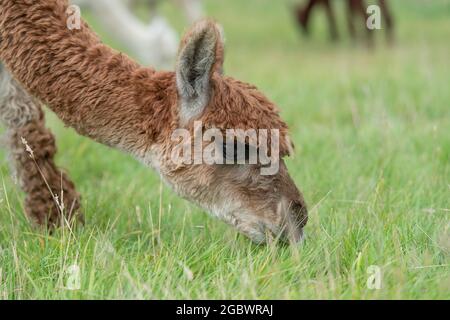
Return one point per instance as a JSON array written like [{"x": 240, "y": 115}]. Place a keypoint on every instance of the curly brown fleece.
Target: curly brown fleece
[{"x": 49, "y": 191}]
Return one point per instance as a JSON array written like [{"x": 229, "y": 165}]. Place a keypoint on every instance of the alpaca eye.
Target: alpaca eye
[{"x": 238, "y": 153}]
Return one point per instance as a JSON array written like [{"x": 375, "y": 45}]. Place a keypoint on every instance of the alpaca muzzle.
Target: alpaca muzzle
[{"x": 295, "y": 216}]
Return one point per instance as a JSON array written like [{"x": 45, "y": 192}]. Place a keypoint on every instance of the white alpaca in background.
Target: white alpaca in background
[
  {"x": 154, "y": 43},
  {"x": 192, "y": 9}
]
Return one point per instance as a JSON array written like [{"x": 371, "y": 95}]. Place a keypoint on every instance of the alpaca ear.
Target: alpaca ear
[{"x": 201, "y": 54}]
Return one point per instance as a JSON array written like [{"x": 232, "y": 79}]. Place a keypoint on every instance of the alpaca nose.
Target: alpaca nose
[
  {"x": 295, "y": 220},
  {"x": 299, "y": 212}
]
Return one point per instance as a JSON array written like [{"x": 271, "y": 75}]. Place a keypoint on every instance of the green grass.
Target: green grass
[{"x": 372, "y": 130}]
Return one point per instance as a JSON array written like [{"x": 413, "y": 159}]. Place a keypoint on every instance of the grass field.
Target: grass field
[{"x": 372, "y": 131}]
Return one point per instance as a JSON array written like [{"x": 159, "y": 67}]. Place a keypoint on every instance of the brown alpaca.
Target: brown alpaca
[
  {"x": 108, "y": 97},
  {"x": 354, "y": 8},
  {"x": 49, "y": 191}
]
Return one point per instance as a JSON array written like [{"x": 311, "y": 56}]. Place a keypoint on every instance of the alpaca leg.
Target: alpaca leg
[
  {"x": 350, "y": 19},
  {"x": 153, "y": 6},
  {"x": 50, "y": 194},
  {"x": 360, "y": 7},
  {"x": 331, "y": 19},
  {"x": 304, "y": 14},
  {"x": 387, "y": 16}
]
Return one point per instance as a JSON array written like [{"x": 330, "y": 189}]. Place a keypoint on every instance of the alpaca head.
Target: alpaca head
[{"x": 257, "y": 197}]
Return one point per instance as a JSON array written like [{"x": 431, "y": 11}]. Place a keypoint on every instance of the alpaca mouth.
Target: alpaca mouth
[
  {"x": 288, "y": 234},
  {"x": 265, "y": 232},
  {"x": 296, "y": 235}
]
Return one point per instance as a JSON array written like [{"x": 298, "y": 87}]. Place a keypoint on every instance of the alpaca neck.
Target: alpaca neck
[{"x": 97, "y": 91}]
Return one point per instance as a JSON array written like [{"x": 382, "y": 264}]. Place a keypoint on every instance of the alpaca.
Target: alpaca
[
  {"x": 354, "y": 8},
  {"x": 303, "y": 16},
  {"x": 32, "y": 149},
  {"x": 111, "y": 99},
  {"x": 139, "y": 38}
]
